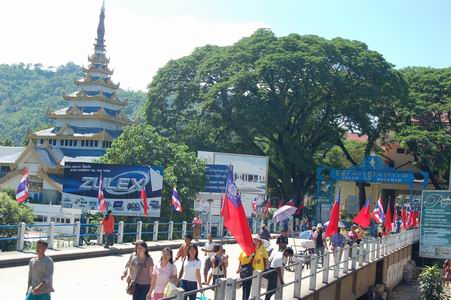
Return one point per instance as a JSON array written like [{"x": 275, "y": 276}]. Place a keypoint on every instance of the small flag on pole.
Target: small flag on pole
[
  {"x": 254, "y": 204},
  {"x": 332, "y": 228},
  {"x": 378, "y": 212},
  {"x": 22, "y": 190},
  {"x": 102, "y": 202},
  {"x": 144, "y": 200},
  {"x": 363, "y": 217},
  {"x": 175, "y": 201}
]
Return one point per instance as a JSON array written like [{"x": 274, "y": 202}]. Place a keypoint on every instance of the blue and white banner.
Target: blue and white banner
[{"x": 121, "y": 187}]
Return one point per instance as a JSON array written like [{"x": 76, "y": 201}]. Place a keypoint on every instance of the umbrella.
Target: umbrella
[
  {"x": 306, "y": 235},
  {"x": 283, "y": 213},
  {"x": 340, "y": 224}
]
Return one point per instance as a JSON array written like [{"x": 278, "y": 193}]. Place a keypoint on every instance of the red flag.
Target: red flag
[
  {"x": 334, "y": 217},
  {"x": 413, "y": 218},
  {"x": 395, "y": 217},
  {"x": 363, "y": 218},
  {"x": 144, "y": 200},
  {"x": 404, "y": 218},
  {"x": 102, "y": 202},
  {"x": 267, "y": 206},
  {"x": 388, "y": 219},
  {"x": 254, "y": 204},
  {"x": 234, "y": 217}
]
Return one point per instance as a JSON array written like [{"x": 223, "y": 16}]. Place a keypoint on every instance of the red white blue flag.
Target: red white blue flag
[
  {"x": 235, "y": 219},
  {"x": 175, "y": 201},
  {"x": 378, "y": 212},
  {"x": 254, "y": 204},
  {"x": 22, "y": 190},
  {"x": 363, "y": 217},
  {"x": 143, "y": 197},
  {"x": 102, "y": 202}
]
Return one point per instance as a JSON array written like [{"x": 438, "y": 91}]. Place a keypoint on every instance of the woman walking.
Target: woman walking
[
  {"x": 108, "y": 229},
  {"x": 190, "y": 279},
  {"x": 246, "y": 270},
  {"x": 141, "y": 268},
  {"x": 164, "y": 272}
]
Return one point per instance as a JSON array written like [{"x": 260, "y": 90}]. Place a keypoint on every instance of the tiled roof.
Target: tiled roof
[{"x": 10, "y": 154}]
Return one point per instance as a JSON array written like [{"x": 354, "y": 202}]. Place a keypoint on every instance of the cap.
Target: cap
[{"x": 319, "y": 225}]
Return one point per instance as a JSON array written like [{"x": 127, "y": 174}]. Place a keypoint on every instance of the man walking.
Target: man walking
[
  {"x": 275, "y": 278},
  {"x": 40, "y": 274},
  {"x": 318, "y": 237}
]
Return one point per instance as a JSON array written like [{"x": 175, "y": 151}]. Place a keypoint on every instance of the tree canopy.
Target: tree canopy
[
  {"x": 142, "y": 145},
  {"x": 426, "y": 122},
  {"x": 290, "y": 98}
]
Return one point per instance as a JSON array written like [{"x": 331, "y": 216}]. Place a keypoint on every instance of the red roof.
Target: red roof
[{"x": 355, "y": 137}]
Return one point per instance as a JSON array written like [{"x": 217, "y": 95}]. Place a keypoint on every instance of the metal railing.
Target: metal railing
[
  {"x": 344, "y": 261},
  {"x": 24, "y": 236}
]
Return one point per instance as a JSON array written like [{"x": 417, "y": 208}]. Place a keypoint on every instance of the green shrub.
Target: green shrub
[{"x": 430, "y": 283}]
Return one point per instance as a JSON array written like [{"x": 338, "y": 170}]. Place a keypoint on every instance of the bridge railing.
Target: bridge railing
[
  {"x": 24, "y": 236},
  {"x": 334, "y": 264}
]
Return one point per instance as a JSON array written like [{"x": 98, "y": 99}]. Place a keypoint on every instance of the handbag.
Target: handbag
[
  {"x": 131, "y": 285},
  {"x": 169, "y": 290},
  {"x": 247, "y": 270}
]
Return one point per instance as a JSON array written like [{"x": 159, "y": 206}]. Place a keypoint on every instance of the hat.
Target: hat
[
  {"x": 319, "y": 225},
  {"x": 256, "y": 236}
]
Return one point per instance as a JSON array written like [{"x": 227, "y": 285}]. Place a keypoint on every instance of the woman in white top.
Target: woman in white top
[
  {"x": 190, "y": 280},
  {"x": 164, "y": 272}
]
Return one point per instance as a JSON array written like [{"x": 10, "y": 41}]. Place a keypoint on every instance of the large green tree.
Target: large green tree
[
  {"x": 142, "y": 145},
  {"x": 426, "y": 122},
  {"x": 288, "y": 97}
]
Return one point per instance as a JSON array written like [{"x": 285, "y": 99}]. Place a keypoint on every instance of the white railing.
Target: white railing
[{"x": 346, "y": 260}]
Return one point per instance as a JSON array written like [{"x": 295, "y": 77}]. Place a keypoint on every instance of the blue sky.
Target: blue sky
[{"x": 143, "y": 35}]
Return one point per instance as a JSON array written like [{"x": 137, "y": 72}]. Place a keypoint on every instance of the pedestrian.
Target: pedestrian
[
  {"x": 40, "y": 274},
  {"x": 217, "y": 262},
  {"x": 447, "y": 271},
  {"x": 282, "y": 240},
  {"x": 337, "y": 243},
  {"x": 141, "y": 269},
  {"x": 275, "y": 278},
  {"x": 246, "y": 270},
  {"x": 197, "y": 226},
  {"x": 209, "y": 253},
  {"x": 183, "y": 250},
  {"x": 318, "y": 237},
  {"x": 108, "y": 229},
  {"x": 164, "y": 272},
  {"x": 190, "y": 279},
  {"x": 127, "y": 265},
  {"x": 264, "y": 233},
  {"x": 353, "y": 236},
  {"x": 260, "y": 262},
  {"x": 304, "y": 225}
]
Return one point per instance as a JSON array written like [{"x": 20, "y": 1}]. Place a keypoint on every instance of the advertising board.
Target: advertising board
[
  {"x": 435, "y": 224},
  {"x": 121, "y": 187}
]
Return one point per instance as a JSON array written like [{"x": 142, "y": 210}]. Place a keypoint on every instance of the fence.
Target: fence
[
  {"x": 344, "y": 261},
  {"x": 24, "y": 236}
]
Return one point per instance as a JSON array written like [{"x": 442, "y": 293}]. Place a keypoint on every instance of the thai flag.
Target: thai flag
[
  {"x": 175, "y": 201},
  {"x": 22, "y": 190},
  {"x": 102, "y": 202},
  {"x": 254, "y": 204},
  {"x": 378, "y": 212}
]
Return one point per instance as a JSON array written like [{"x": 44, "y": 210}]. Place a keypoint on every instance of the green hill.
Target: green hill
[{"x": 27, "y": 92}]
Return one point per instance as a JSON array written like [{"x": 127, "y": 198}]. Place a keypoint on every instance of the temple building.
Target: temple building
[{"x": 82, "y": 131}]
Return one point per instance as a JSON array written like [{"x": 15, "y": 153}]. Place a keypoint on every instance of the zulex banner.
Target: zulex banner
[{"x": 121, "y": 187}]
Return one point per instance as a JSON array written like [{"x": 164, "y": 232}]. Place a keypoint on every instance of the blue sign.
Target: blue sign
[
  {"x": 121, "y": 187},
  {"x": 216, "y": 178}
]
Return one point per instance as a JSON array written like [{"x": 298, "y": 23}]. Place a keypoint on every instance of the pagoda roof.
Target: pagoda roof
[
  {"x": 93, "y": 67},
  {"x": 77, "y": 132},
  {"x": 96, "y": 58},
  {"x": 95, "y": 95},
  {"x": 86, "y": 110},
  {"x": 94, "y": 80},
  {"x": 8, "y": 155}
]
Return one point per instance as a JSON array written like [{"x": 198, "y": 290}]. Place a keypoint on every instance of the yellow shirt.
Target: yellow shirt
[
  {"x": 244, "y": 259},
  {"x": 260, "y": 254}
]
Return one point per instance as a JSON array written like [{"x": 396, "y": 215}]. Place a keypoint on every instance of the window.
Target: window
[
  {"x": 61, "y": 142},
  {"x": 82, "y": 143},
  {"x": 75, "y": 143},
  {"x": 67, "y": 221},
  {"x": 58, "y": 220},
  {"x": 96, "y": 143},
  {"x": 41, "y": 141},
  {"x": 5, "y": 169},
  {"x": 103, "y": 144},
  {"x": 401, "y": 150},
  {"x": 52, "y": 219},
  {"x": 91, "y": 143},
  {"x": 70, "y": 142}
]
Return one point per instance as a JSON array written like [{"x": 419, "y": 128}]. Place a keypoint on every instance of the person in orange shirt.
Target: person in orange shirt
[
  {"x": 184, "y": 248},
  {"x": 108, "y": 229}
]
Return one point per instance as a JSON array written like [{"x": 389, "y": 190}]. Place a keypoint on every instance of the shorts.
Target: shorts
[{"x": 208, "y": 265}]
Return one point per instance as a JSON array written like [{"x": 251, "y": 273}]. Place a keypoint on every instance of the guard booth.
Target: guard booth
[{"x": 380, "y": 180}]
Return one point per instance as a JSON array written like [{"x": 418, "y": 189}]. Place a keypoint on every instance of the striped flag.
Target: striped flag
[
  {"x": 102, "y": 202},
  {"x": 22, "y": 190},
  {"x": 254, "y": 204},
  {"x": 378, "y": 212},
  {"x": 144, "y": 200},
  {"x": 175, "y": 201}
]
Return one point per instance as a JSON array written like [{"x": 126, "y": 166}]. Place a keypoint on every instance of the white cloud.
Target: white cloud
[{"x": 55, "y": 32}]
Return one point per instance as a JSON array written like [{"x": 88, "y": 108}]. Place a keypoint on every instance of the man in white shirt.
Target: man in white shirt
[
  {"x": 275, "y": 278},
  {"x": 209, "y": 253}
]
